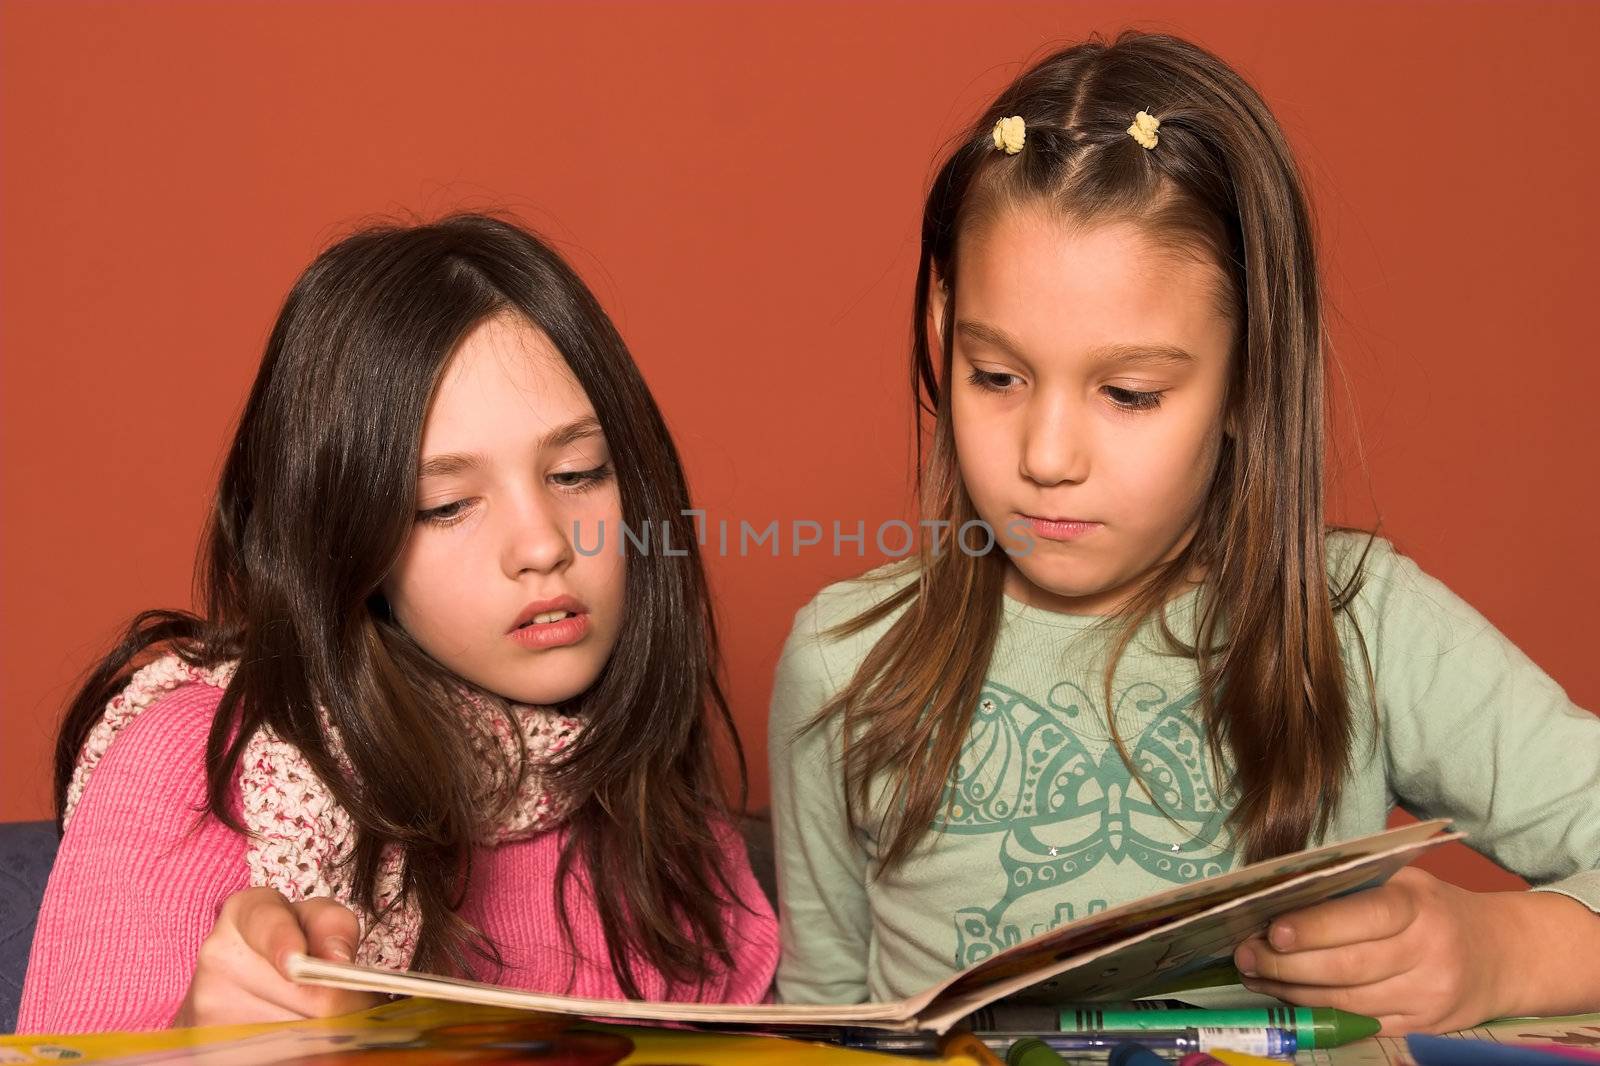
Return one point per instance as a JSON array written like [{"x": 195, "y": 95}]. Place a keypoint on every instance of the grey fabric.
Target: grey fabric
[
  {"x": 26, "y": 851},
  {"x": 758, "y": 843}
]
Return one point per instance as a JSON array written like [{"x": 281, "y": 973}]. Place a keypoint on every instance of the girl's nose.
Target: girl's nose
[
  {"x": 535, "y": 540},
  {"x": 1055, "y": 448}
]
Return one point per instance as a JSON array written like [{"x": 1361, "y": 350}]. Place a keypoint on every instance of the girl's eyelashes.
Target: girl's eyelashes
[
  {"x": 1133, "y": 399},
  {"x": 582, "y": 480},
  {"x": 571, "y": 481},
  {"x": 1126, "y": 399},
  {"x": 991, "y": 381},
  {"x": 446, "y": 514}
]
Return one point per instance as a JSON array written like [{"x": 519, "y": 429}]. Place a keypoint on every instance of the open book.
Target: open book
[{"x": 1114, "y": 954}]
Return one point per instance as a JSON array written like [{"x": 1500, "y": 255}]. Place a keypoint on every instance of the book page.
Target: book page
[
  {"x": 1141, "y": 915},
  {"x": 1191, "y": 920},
  {"x": 1123, "y": 968}
]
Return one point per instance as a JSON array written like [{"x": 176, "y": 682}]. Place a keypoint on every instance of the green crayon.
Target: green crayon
[
  {"x": 1031, "y": 1052},
  {"x": 1315, "y": 1028}
]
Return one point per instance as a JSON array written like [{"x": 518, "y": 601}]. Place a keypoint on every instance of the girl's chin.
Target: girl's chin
[
  {"x": 1060, "y": 589},
  {"x": 543, "y": 691},
  {"x": 545, "y": 696}
]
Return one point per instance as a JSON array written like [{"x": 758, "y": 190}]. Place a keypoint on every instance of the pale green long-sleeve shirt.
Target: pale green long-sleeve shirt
[{"x": 1045, "y": 823}]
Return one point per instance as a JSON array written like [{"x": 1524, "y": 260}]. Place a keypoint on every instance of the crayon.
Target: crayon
[
  {"x": 1129, "y": 1053},
  {"x": 966, "y": 1044},
  {"x": 1455, "y": 1051},
  {"x": 1314, "y": 1028},
  {"x": 1199, "y": 1058},
  {"x": 1031, "y": 1052},
  {"x": 1275, "y": 1042}
]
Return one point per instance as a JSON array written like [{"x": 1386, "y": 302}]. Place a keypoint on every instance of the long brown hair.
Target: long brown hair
[
  {"x": 314, "y": 506},
  {"x": 1272, "y": 681}
]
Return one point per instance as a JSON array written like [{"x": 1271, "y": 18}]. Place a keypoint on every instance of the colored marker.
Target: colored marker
[
  {"x": 1314, "y": 1028},
  {"x": 1274, "y": 1042},
  {"x": 1129, "y": 1053},
  {"x": 1031, "y": 1052},
  {"x": 884, "y": 1043}
]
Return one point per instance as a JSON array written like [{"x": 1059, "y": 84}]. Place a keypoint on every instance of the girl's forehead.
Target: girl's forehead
[
  {"x": 1034, "y": 246},
  {"x": 505, "y": 384},
  {"x": 1030, "y": 271}
]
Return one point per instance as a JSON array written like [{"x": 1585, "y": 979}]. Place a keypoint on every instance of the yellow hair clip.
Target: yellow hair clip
[
  {"x": 1144, "y": 129},
  {"x": 1009, "y": 133}
]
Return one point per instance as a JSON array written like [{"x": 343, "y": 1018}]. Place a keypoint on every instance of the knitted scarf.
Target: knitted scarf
[{"x": 300, "y": 836}]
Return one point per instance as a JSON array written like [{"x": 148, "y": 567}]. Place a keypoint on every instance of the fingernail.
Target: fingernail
[
  {"x": 340, "y": 948},
  {"x": 1281, "y": 937},
  {"x": 1245, "y": 960}
]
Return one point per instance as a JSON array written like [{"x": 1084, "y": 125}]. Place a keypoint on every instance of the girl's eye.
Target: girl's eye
[
  {"x": 581, "y": 480},
  {"x": 445, "y": 514},
  {"x": 1133, "y": 400},
  {"x": 991, "y": 381}
]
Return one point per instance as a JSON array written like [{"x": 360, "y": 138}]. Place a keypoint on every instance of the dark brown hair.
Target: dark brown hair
[
  {"x": 1223, "y": 183},
  {"x": 314, "y": 506}
]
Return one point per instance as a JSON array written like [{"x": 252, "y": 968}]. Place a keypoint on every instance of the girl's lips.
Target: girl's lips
[
  {"x": 569, "y": 630},
  {"x": 570, "y": 604},
  {"x": 1060, "y": 528}
]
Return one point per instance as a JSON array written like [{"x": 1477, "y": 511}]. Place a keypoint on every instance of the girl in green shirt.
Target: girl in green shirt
[{"x": 1128, "y": 652}]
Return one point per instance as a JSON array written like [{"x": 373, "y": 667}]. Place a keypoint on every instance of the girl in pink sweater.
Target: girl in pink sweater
[{"x": 432, "y": 716}]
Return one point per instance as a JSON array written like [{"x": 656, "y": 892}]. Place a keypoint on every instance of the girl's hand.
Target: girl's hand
[
  {"x": 239, "y": 977},
  {"x": 1417, "y": 953}
]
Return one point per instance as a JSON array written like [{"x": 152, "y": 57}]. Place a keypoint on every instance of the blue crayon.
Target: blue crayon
[
  {"x": 1129, "y": 1053},
  {"x": 1455, "y": 1051}
]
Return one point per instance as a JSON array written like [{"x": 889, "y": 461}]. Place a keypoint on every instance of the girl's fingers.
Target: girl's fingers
[
  {"x": 239, "y": 973},
  {"x": 273, "y": 929},
  {"x": 1375, "y": 1000},
  {"x": 331, "y": 929},
  {"x": 230, "y": 1005},
  {"x": 267, "y": 925},
  {"x": 1363, "y": 963},
  {"x": 1375, "y": 914},
  {"x": 314, "y": 1001}
]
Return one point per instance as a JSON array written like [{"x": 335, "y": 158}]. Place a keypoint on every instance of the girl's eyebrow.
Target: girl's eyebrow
[
  {"x": 447, "y": 464},
  {"x": 993, "y": 336},
  {"x": 458, "y": 462},
  {"x": 1126, "y": 354},
  {"x": 1147, "y": 354},
  {"x": 574, "y": 431}
]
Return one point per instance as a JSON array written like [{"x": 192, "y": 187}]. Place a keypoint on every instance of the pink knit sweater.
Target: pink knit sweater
[{"x": 137, "y": 885}]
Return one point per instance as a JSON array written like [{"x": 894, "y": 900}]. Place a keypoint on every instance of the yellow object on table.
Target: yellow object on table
[
  {"x": 420, "y": 1032},
  {"x": 1239, "y": 1058},
  {"x": 958, "y": 1046}
]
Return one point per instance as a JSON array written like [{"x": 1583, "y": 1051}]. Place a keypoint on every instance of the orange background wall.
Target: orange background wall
[{"x": 741, "y": 185}]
